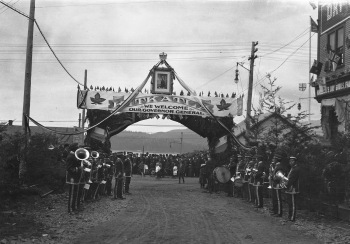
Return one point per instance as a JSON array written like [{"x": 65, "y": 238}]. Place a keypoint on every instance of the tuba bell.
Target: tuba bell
[
  {"x": 283, "y": 179},
  {"x": 95, "y": 154},
  {"x": 82, "y": 154}
]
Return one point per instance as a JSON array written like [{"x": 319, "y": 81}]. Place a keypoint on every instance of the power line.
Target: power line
[
  {"x": 295, "y": 39},
  {"x": 14, "y": 9}
]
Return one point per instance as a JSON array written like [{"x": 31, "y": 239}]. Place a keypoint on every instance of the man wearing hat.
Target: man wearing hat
[
  {"x": 246, "y": 175},
  {"x": 232, "y": 168},
  {"x": 239, "y": 171},
  {"x": 74, "y": 174},
  {"x": 119, "y": 176},
  {"x": 128, "y": 172},
  {"x": 292, "y": 187},
  {"x": 276, "y": 186},
  {"x": 259, "y": 181}
]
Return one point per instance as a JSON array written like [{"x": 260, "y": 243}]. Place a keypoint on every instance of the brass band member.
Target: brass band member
[
  {"x": 73, "y": 177},
  {"x": 292, "y": 187},
  {"x": 109, "y": 176},
  {"x": 232, "y": 167},
  {"x": 247, "y": 171},
  {"x": 240, "y": 173},
  {"x": 210, "y": 166},
  {"x": 277, "y": 188},
  {"x": 252, "y": 165},
  {"x": 259, "y": 181}
]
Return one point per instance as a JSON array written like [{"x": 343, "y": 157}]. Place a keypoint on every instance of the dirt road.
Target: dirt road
[{"x": 164, "y": 211}]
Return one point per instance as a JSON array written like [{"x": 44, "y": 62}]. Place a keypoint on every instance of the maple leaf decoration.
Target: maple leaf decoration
[
  {"x": 223, "y": 105},
  {"x": 97, "y": 99}
]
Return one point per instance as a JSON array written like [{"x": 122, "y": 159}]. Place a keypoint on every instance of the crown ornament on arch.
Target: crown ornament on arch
[{"x": 163, "y": 56}]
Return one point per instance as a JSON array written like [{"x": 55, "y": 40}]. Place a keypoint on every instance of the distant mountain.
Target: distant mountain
[
  {"x": 169, "y": 142},
  {"x": 161, "y": 142}
]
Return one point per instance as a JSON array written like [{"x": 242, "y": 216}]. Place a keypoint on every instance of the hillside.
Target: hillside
[{"x": 161, "y": 142}]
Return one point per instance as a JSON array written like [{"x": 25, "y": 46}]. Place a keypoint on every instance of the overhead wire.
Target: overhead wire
[{"x": 42, "y": 34}]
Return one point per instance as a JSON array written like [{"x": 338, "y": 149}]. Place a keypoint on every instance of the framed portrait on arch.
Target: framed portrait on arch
[{"x": 162, "y": 82}]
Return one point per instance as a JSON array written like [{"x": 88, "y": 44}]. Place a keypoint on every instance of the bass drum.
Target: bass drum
[{"x": 222, "y": 174}]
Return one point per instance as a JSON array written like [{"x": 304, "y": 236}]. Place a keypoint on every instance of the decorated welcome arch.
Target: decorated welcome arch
[{"x": 109, "y": 112}]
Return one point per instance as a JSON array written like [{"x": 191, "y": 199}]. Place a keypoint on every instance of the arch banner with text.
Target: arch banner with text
[{"x": 162, "y": 104}]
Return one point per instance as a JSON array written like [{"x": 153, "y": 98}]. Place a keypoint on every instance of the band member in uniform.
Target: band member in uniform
[
  {"x": 254, "y": 169},
  {"x": 210, "y": 165},
  {"x": 292, "y": 187},
  {"x": 74, "y": 174},
  {"x": 128, "y": 173},
  {"x": 247, "y": 171},
  {"x": 277, "y": 188},
  {"x": 119, "y": 175},
  {"x": 259, "y": 181},
  {"x": 232, "y": 168},
  {"x": 109, "y": 175},
  {"x": 240, "y": 173}
]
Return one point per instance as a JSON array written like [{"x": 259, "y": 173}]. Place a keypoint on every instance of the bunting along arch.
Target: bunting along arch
[{"x": 109, "y": 113}]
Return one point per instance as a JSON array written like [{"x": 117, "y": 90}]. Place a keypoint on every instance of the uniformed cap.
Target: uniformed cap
[
  {"x": 239, "y": 156},
  {"x": 292, "y": 157}
]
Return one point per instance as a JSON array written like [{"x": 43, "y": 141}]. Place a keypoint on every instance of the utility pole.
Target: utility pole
[
  {"x": 27, "y": 88},
  {"x": 79, "y": 120},
  {"x": 83, "y": 118},
  {"x": 181, "y": 142},
  {"x": 250, "y": 87}
]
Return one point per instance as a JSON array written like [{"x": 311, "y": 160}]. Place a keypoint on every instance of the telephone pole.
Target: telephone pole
[
  {"x": 83, "y": 117},
  {"x": 250, "y": 87},
  {"x": 28, "y": 70},
  {"x": 26, "y": 96}
]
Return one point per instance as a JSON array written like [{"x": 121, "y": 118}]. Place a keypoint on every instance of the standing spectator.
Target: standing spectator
[
  {"x": 203, "y": 175},
  {"x": 128, "y": 173},
  {"x": 118, "y": 174},
  {"x": 181, "y": 170}
]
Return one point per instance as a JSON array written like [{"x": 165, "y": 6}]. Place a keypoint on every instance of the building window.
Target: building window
[{"x": 336, "y": 45}]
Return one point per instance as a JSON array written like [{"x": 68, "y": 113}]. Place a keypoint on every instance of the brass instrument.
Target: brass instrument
[
  {"x": 95, "y": 154},
  {"x": 283, "y": 179},
  {"x": 82, "y": 154}
]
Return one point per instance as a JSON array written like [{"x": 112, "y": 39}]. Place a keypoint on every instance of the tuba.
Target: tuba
[
  {"x": 95, "y": 154},
  {"x": 283, "y": 179},
  {"x": 82, "y": 154}
]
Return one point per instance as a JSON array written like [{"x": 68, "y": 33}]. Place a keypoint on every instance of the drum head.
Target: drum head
[{"x": 222, "y": 174}]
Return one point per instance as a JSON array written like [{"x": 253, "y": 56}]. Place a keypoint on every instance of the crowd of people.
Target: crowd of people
[
  {"x": 90, "y": 175},
  {"x": 252, "y": 176}
]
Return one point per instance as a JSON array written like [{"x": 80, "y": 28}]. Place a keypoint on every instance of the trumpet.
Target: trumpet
[
  {"x": 95, "y": 154},
  {"x": 82, "y": 154}
]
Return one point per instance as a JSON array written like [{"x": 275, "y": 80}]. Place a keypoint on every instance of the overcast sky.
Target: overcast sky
[{"x": 118, "y": 42}]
